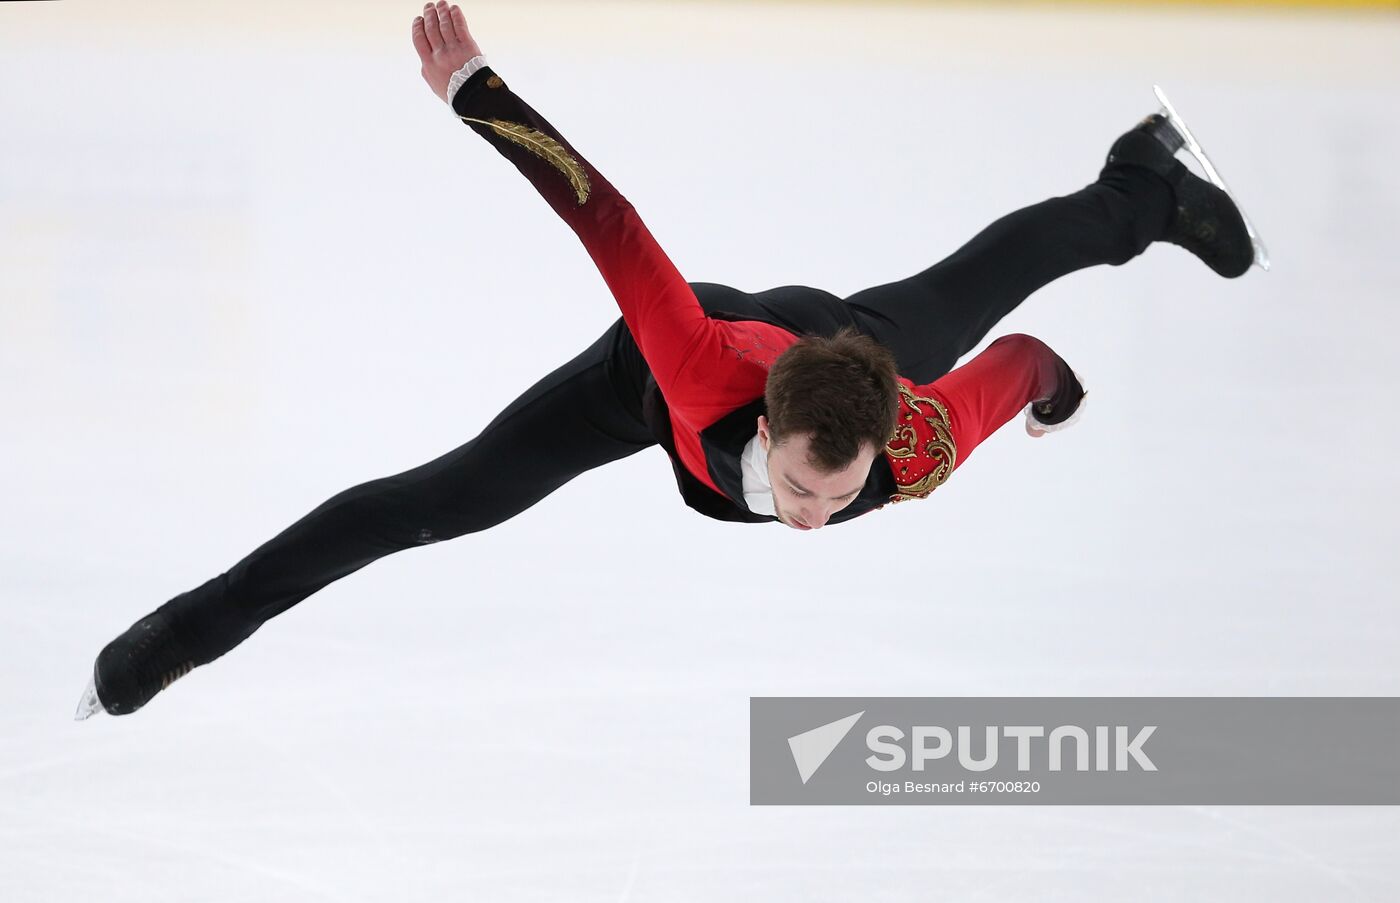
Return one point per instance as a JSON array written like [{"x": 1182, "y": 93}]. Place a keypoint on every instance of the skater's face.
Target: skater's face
[{"x": 804, "y": 497}]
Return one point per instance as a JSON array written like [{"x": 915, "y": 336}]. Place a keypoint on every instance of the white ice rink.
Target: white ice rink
[{"x": 247, "y": 260}]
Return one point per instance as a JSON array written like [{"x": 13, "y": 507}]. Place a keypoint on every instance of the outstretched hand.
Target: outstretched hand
[{"x": 443, "y": 43}]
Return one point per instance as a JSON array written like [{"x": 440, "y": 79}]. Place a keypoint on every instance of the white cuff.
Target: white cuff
[
  {"x": 1035, "y": 429},
  {"x": 459, "y": 78}
]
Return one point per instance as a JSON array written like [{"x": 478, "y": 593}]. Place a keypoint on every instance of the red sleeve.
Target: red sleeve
[
  {"x": 942, "y": 422},
  {"x": 704, "y": 368},
  {"x": 997, "y": 384}
]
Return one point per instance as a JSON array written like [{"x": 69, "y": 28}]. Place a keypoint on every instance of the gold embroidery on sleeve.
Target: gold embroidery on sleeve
[
  {"x": 544, "y": 147},
  {"x": 939, "y": 450}
]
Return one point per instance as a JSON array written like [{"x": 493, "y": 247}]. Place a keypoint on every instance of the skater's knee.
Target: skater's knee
[
  {"x": 432, "y": 503},
  {"x": 421, "y": 512},
  {"x": 392, "y": 511}
]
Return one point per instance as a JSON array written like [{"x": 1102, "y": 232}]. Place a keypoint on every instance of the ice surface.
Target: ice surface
[{"x": 247, "y": 260}]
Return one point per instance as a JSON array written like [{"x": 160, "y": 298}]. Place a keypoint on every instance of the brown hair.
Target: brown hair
[{"x": 840, "y": 391}]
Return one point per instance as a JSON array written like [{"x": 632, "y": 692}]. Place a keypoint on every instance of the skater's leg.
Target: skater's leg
[
  {"x": 581, "y": 416},
  {"x": 934, "y": 317}
]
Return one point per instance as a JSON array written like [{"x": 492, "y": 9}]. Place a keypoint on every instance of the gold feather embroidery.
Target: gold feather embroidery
[{"x": 544, "y": 147}]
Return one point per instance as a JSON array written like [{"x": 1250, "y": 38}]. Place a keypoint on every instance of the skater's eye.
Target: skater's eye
[{"x": 797, "y": 490}]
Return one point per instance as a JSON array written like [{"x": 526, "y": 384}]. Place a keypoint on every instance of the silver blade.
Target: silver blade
[
  {"x": 89, "y": 705},
  {"x": 1261, "y": 253}
]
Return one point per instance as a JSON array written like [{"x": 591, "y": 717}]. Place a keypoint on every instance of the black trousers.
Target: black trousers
[{"x": 588, "y": 411}]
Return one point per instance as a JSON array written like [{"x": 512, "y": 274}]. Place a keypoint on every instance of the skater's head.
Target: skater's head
[{"x": 832, "y": 404}]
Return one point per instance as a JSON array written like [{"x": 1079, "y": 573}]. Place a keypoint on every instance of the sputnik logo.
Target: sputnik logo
[{"x": 811, "y": 748}]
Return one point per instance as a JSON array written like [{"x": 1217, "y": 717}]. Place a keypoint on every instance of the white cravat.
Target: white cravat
[{"x": 758, "y": 492}]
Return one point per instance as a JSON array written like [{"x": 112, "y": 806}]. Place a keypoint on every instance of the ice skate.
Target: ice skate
[
  {"x": 1208, "y": 222},
  {"x": 134, "y": 667},
  {"x": 1193, "y": 147}
]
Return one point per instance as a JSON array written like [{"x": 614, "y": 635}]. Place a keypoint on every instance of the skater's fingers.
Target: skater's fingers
[
  {"x": 459, "y": 23},
  {"x": 430, "y": 25},
  {"x": 420, "y": 39},
  {"x": 449, "y": 36}
]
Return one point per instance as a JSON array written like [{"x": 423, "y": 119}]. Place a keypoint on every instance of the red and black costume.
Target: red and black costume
[
  {"x": 685, "y": 368},
  {"x": 708, "y": 366}
]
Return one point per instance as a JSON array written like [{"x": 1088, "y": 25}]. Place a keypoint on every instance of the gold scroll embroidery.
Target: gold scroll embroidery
[{"x": 939, "y": 448}]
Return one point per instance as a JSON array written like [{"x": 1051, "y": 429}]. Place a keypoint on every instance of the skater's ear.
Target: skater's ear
[{"x": 765, "y": 438}]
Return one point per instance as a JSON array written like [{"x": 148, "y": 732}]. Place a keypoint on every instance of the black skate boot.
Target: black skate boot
[
  {"x": 135, "y": 667},
  {"x": 1208, "y": 222}
]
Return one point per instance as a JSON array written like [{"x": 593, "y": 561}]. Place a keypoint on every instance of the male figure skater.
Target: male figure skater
[{"x": 788, "y": 406}]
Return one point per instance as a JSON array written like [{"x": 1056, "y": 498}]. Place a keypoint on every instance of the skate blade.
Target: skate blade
[
  {"x": 1261, "y": 253},
  {"x": 89, "y": 705}
]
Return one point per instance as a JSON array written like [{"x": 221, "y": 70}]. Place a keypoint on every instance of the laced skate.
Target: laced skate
[{"x": 134, "y": 667}]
